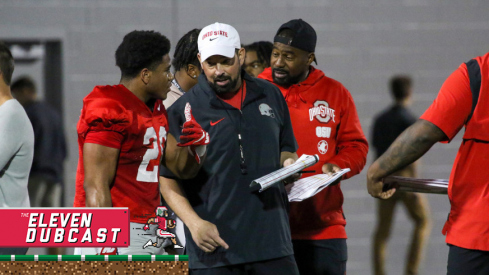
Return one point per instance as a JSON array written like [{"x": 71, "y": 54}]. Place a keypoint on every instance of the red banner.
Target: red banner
[{"x": 64, "y": 227}]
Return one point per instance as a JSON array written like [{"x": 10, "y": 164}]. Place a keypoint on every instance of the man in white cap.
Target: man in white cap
[{"x": 229, "y": 228}]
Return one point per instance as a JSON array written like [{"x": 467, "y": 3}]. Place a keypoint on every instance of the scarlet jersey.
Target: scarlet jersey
[
  {"x": 325, "y": 123},
  {"x": 113, "y": 116}
]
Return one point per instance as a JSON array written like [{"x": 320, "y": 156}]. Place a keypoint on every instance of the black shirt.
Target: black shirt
[
  {"x": 388, "y": 126},
  {"x": 254, "y": 225},
  {"x": 49, "y": 141}
]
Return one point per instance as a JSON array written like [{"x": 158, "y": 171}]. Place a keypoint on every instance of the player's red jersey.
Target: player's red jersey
[{"x": 113, "y": 116}]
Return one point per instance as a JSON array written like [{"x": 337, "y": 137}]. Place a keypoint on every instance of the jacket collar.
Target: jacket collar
[{"x": 253, "y": 91}]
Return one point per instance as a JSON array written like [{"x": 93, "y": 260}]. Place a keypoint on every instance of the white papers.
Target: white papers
[
  {"x": 268, "y": 180},
  {"x": 310, "y": 186},
  {"x": 433, "y": 186}
]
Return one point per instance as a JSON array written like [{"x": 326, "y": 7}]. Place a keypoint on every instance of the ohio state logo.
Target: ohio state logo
[
  {"x": 323, "y": 147},
  {"x": 321, "y": 112}
]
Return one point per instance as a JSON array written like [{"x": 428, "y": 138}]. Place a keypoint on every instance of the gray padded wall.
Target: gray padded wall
[{"x": 360, "y": 43}]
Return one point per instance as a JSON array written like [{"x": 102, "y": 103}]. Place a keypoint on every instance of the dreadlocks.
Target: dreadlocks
[
  {"x": 263, "y": 51},
  {"x": 186, "y": 51}
]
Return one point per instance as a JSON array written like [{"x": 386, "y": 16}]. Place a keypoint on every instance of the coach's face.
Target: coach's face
[
  {"x": 289, "y": 65},
  {"x": 223, "y": 73}
]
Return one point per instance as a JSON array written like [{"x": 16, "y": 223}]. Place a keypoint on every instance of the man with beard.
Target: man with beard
[
  {"x": 229, "y": 228},
  {"x": 326, "y": 123}
]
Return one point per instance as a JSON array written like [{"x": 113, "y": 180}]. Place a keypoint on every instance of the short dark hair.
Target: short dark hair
[
  {"x": 263, "y": 51},
  {"x": 139, "y": 50},
  {"x": 186, "y": 51},
  {"x": 6, "y": 63},
  {"x": 23, "y": 82},
  {"x": 400, "y": 86}
]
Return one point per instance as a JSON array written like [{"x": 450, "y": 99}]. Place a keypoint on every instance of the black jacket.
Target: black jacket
[{"x": 254, "y": 225}]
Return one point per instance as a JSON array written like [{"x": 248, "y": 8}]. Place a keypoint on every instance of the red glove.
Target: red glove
[
  {"x": 146, "y": 227},
  {"x": 193, "y": 135},
  {"x": 192, "y": 132}
]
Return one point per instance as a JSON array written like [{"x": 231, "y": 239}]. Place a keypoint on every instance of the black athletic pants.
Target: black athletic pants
[
  {"x": 325, "y": 257},
  {"x": 285, "y": 265},
  {"x": 463, "y": 261}
]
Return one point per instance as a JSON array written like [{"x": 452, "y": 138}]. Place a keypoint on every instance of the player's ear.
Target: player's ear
[{"x": 145, "y": 75}]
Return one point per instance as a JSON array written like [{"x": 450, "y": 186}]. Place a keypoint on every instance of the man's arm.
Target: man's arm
[
  {"x": 204, "y": 233},
  {"x": 99, "y": 163},
  {"x": 179, "y": 159},
  {"x": 351, "y": 144},
  {"x": 9, "y": 144},
  {"x": 414, "y": 142},
  {"x": 409, "y": 171}
]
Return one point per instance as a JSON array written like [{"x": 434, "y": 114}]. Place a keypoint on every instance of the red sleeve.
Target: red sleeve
[
  {"x": 105, "y": 138},
  {"x": 351, "y": 144},
  {"x": 105, "y": 122},
  {"x": 453, "y": 104}
]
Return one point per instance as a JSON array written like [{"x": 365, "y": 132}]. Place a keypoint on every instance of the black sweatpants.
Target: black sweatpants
[
  {"x": 463, "y": 261},
  {"x": 285, "y": 265},
  {"x": 325, "y": 257}
]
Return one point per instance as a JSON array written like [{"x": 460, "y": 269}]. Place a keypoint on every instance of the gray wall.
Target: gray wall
[{"x": 360, "y": 42}]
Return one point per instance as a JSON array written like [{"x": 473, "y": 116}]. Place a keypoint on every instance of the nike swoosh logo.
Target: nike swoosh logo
[
  {"x": 212, "y": 39},
  {"x": 214, "y": 123}
]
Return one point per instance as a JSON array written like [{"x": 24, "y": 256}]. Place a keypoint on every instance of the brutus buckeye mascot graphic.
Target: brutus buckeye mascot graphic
[{"x": 163, "y": 237}]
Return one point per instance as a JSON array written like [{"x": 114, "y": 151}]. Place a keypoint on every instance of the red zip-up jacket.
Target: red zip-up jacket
[{"x": 325, "y": 123}]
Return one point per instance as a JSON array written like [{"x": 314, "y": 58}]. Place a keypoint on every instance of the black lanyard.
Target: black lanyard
[{"x": 242, "y": 164}]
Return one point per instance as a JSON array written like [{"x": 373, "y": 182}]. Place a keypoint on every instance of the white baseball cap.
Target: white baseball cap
[{"x": 218, "y": 39}]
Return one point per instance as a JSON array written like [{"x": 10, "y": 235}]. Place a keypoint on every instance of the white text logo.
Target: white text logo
[
  {"x": 323, "y": 132},
  {"x": 321, "y": 112}
]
